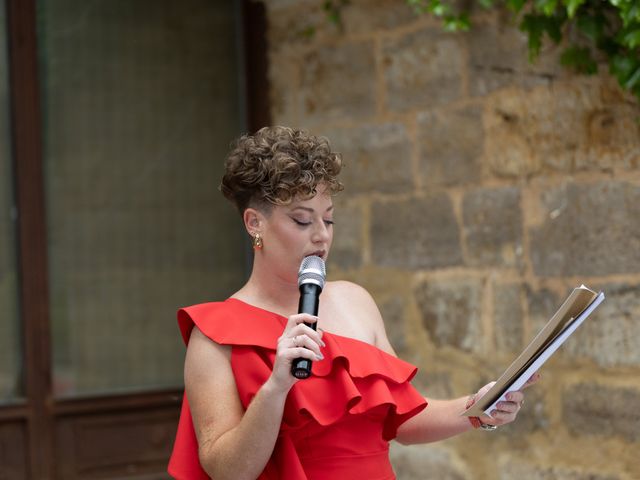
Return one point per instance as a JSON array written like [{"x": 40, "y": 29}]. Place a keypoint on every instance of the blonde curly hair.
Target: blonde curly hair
[{"x": 277, "y": 165}]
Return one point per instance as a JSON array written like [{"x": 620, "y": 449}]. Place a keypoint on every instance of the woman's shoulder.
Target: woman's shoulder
[
  {"x": 352, "y": 297},
  {"x": 356, "y": 305},
  {"x": 345, "y": 287}
]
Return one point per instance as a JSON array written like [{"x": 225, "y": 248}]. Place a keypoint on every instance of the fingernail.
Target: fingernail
[{"x": 320, "y": 357}]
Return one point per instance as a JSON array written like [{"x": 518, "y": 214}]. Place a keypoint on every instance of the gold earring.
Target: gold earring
[{"x": 257, "y": 242}]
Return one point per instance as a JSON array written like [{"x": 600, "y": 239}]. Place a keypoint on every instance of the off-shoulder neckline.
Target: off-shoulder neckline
[
  {"x": 256, "y": 307},
  {"x": 284, "y": 318}
]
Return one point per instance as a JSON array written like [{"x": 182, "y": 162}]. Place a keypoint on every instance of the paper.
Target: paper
[{"x": 576, "y": 308}]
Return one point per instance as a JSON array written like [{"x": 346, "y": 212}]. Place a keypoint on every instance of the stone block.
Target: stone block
[
  {"x": 284, "y": 77},
  {"x": 294, "y": 24},
  {"x": 451, "y": 312},
  {"x": 493, "y": 227},
  {"x": 498, "y": 58},
  {"x": 508, "y": 317},
  {"x": 561, "y": 128},
  {"x": 450, "y": 146},
  {"x": 589, "y": 229},
  {"x": 414, "y": 462},
  {"x": 369, "y": 16},
  {"x": 542, "y": 304},
  {"x": 423, "y": 69},
  {"x": 393, "y": 313},
  {"x": 610, "y": 336},
  {"x": 614, "y": 138},
  {"x": 415, "y": 233},
  {"x": 503, "y": 127},
  {"x": 337, "y": 82},
  {"x": 592, "y": 409},
  {"x": 433, "y": 384},
  {"x": 521, "y": 470},
  {"x": 346, "y": 251},
  {"x": 376, "y": 158}
]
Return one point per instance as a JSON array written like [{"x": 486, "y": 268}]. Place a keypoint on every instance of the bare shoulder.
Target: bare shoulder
[
  {"x": 346, "y": 287},
  {"x": 351, "y": 296},
  {"x": 356, "y": 304}
]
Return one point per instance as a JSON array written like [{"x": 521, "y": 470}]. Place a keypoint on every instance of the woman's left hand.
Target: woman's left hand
[{"x": 507, "y": 410}]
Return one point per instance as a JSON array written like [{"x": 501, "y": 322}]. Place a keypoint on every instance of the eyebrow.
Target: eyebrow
[{"x": 308, "y": 209}]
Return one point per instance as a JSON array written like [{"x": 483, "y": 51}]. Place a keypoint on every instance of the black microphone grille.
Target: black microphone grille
[{"x": 312, "y": 270}]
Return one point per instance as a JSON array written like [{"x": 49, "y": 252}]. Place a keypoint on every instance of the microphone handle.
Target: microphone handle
[{"x": 309, "y": 299}]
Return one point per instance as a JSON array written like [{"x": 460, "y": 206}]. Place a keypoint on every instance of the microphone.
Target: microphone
[{"x": 311, "y": 277}]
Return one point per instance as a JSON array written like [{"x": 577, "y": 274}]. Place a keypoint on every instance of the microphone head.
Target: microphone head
[{"x": 312, "y": 270}]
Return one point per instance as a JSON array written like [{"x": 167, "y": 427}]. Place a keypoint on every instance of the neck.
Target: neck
[{"x": 269, "y": 291}]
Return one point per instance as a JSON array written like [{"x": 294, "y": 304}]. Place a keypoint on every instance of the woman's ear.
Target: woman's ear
[{"x": 253, "y": 221}]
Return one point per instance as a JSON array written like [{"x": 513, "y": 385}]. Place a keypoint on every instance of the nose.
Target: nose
[{"x": 321, "y": 233}]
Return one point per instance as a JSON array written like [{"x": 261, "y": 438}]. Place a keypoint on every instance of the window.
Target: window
[
  {"x": 10, "y": 381},
  {"x": 140, "y": 103}
]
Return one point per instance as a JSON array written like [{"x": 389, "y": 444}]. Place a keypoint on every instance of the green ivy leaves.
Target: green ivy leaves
[
  {"x": 592, "y": 31},
  {"x": 451, "y": 21}
]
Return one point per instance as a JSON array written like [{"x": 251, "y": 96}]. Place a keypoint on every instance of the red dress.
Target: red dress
[{"x": 336, "y": 424}]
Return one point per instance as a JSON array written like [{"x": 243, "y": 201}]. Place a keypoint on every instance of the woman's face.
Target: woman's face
[{"x": 297, "y": 230}]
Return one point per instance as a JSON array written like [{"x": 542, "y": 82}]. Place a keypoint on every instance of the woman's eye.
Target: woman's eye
[
  {"x": 329, "y": 222},
  {"x": 303, "y": 224}
]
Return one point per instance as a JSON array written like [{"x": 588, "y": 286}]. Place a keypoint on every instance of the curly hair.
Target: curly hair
[{"x": 278, "y": 165}]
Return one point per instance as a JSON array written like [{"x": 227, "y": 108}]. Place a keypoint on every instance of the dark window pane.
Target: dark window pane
[
  {"x": 140, "y": 104},
  {"x": 9, "y": 326}
]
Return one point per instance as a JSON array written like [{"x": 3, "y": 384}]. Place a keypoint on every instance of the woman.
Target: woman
[{"x": 244, "y": 415}]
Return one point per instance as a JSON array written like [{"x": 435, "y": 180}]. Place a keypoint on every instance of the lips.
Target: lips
[{"x": 318, "y": 253}]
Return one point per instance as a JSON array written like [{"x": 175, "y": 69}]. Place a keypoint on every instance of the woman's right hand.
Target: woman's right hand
[{"x": 297, "y": 341}]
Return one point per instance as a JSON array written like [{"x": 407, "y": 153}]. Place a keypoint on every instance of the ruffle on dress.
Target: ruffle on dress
[{"x": 354, "y": 378}]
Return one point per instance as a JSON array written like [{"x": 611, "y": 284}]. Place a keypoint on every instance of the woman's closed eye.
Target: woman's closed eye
[{"x": 304, "y": 223}]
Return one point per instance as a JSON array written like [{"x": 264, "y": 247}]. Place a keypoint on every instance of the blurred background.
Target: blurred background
[{"x": 480, "y": 190}]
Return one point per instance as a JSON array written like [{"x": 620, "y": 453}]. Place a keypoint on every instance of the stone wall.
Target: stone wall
[{"x": 480, "y": 189}]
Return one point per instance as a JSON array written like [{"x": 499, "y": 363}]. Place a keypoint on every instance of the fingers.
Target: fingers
[
  {"x": 300, "y": 340},
  {"x": 500, "y": 417},
  {"x": 300, "y": 318},
  {"x": 508, "y": 407},
  {"x": 303, "y": 336},
  {"x": 517, "y": 397},
  {"x": 291, "y": 354},
  {"x": 305, "y": 342},
  {"x": 507, "y": 410}
]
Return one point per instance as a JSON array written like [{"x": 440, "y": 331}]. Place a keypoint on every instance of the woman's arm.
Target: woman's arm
[
  {"x": 441, "y": 419},
  {"x": 233, "y": 443},
  {"x": 224, "y": 431}
]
